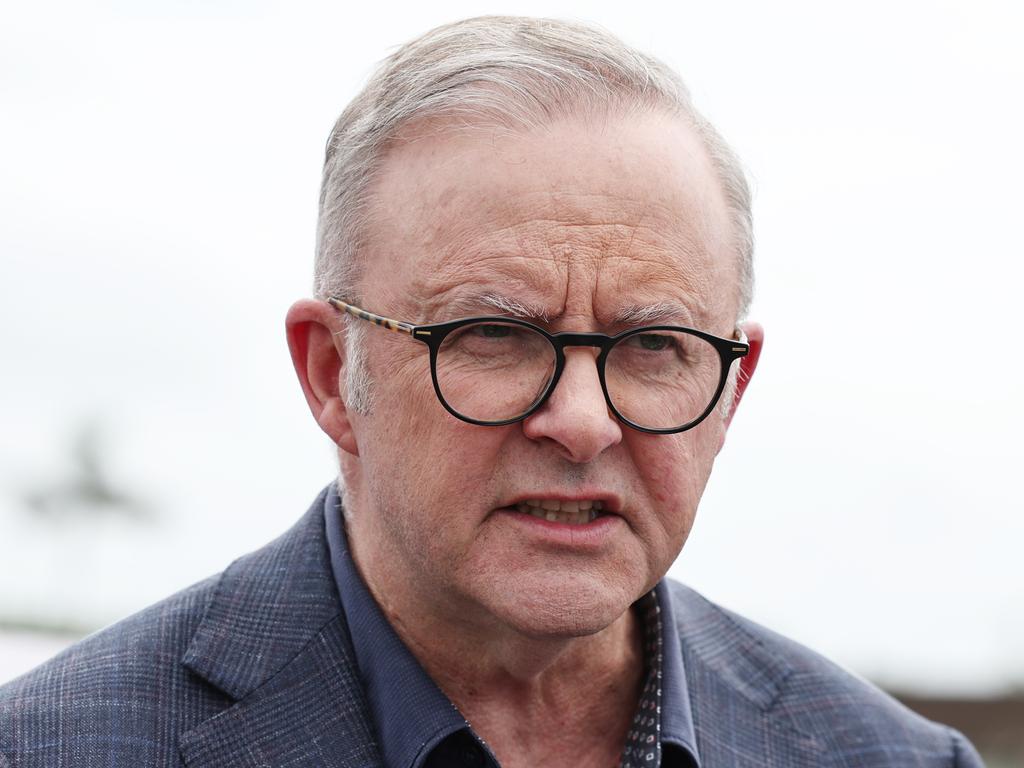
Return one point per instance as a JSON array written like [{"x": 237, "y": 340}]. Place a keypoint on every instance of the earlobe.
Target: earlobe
[
  {"x": 316, "y": 343},
  {"x": 748, "y": 364}
]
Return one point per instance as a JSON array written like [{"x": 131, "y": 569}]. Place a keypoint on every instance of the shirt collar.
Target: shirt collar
[
  {"x": 676, "y": 713},
  {"x": 411, "y": 713}
]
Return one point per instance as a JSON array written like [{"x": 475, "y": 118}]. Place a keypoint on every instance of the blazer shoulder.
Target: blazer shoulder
[
  {"x": 125, "y": 694},
  {"x": 125, "y": 679},
  {"x": 856, "y": 722}
]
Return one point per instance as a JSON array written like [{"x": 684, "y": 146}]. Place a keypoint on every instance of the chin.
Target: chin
[{"x": 563, "y": 608}]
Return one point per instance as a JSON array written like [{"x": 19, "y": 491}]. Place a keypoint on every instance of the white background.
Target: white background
[{"x": 159, "y": 169}]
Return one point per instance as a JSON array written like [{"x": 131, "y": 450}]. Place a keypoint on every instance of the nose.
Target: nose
[{"x": 576, "y": 417}]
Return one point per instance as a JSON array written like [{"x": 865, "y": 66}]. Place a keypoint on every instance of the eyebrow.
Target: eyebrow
[
  {"x": 653, "y": 314},
  {"x": 659, "y": 313},
  {"x": 504, "y": 304}
]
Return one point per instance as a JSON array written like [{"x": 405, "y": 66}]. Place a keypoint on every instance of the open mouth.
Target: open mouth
[{"x": 567, "y": 512}]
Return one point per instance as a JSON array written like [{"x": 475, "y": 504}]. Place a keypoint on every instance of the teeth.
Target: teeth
[{"x": 569, "y": 512}]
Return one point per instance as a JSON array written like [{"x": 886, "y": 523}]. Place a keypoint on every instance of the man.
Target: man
[{"x": 556, "y": 249}]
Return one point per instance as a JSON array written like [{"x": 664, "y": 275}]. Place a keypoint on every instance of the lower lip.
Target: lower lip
[{"x": 586, "y": 535}]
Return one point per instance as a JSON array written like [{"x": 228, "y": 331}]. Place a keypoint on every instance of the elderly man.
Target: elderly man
[{"x": 555, "y": 249}]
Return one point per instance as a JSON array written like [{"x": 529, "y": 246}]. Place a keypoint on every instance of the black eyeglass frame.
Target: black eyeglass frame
[{"x": 434, "y": 334}]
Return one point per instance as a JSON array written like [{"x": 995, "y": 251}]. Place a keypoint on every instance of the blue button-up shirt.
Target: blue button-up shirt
[{"x": 419, "y": 727}]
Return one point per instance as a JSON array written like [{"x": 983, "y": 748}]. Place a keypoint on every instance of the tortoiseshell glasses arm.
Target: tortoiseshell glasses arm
[{"x": 362, "y": 314}]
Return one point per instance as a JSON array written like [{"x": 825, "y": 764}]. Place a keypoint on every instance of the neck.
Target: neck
[
  {"x": 534, "y": 700},
  {"x": 537, "y": 697}
]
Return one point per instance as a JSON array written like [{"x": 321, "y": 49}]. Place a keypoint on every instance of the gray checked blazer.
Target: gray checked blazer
[{"x": 254, "y": 667}]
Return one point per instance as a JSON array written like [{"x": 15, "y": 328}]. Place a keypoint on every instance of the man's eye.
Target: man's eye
[
  {"x": 489, "y": 331},
  {"x": 653, "y": 342}
]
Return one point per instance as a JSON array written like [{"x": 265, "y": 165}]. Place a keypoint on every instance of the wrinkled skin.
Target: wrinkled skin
[{"x": 581, "y": 221}]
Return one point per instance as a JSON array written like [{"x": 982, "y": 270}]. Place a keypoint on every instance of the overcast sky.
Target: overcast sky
[{"x": 160, "y": 165}]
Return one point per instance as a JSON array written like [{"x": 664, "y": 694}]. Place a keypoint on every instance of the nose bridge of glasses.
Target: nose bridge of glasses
[
  {"x": 570, "y": 339},
  {"x": 597, "y": 341}
]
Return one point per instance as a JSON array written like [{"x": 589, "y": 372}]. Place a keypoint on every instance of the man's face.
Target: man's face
[{"x": 580, "y": 221}]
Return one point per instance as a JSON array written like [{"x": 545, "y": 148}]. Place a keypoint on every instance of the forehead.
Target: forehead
[{"x": 576, "y": 218}]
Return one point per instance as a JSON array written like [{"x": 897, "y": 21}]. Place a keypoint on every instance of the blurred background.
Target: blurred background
[{"x": 160, "y": 166}]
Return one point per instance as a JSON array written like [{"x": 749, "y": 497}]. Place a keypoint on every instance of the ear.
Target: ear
[
  {"x": 748, "y": 363},
  {"x": 316, "y": 339}
]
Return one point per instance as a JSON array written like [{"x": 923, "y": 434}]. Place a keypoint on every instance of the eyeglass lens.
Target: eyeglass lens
[{"x": 656, "y": 379}]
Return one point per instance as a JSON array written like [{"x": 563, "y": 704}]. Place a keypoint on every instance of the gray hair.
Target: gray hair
[{"x": 515, "y": 72}]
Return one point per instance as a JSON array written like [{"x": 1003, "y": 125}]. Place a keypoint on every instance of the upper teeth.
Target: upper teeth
[{"x": 572, "y": 512}]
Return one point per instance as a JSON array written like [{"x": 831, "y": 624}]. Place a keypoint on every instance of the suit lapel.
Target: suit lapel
[
  {"x": 310, "y": 714},
  {"x": 735, "y": 682},
  {"x": 737, "y": 734},
  {"x": 274, "y": 638}
]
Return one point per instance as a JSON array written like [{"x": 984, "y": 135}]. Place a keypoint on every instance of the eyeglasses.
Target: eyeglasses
[{"x": 494, "y": 371}]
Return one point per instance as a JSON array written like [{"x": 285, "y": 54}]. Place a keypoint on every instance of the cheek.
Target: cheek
[
  {"x": 675, "y": 470},
  {"x": 443, "y": 456},
  {"x": 437, "y": 471},
  {"x": 401, "y": 381},
  {"x": 428, "y": 494},
  {"x": 669, "y": 471}
]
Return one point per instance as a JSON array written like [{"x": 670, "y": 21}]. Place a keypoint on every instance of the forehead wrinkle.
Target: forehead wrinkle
[
  {"x": 632, "y": 274},
  {"x": 486, "y": 267},
  {"x": 437, "y": 301}
]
